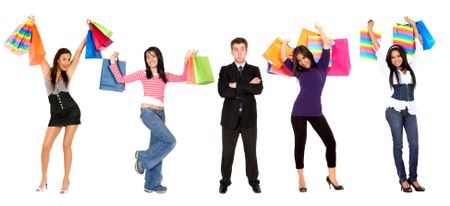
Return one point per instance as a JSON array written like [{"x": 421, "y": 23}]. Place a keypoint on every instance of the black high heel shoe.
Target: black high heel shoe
[
  {"x": 336, "y": 187},
  {"x": 405, "y": 189},
  {"x": 417, "y": 189}
]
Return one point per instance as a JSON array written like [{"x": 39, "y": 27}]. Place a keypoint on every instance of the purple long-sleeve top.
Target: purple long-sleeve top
[{"x": 312, "y": 80}]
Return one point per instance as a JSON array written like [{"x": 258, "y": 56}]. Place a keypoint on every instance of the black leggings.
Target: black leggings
[{"x": 322, "y": 128}]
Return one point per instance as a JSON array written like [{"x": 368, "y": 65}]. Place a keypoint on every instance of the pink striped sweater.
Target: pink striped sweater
[{"x": 153, "y": 87}]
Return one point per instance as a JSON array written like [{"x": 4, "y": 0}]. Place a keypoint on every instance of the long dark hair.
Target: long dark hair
[
  {"x": 393, "y": 68},
  {"x": 159, "y": 66},
  {"x": 306, "y": 53},
  {"x": 54, "y": 68}
]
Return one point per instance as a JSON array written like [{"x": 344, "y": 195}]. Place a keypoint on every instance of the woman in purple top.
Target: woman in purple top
[{"x": 308, "y": 107}]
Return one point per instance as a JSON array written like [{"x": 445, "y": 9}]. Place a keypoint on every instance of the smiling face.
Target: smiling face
[
  {"x": 151, "y": 59},
  {"x": 396, "y": 59},
  {"x": 303, "y": 61},
  {"x": 64, "y": 61}
]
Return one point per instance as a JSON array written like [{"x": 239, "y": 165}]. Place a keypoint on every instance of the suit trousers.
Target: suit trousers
[{"x": 229, "y": 140}]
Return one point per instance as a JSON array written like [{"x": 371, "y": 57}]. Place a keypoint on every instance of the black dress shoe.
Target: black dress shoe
[
  {"x": 256, "y": 188},
  {"x": 223, "y": 189}
]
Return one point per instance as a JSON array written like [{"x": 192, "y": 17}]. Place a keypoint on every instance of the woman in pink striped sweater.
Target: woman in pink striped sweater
[{"x": 154, "y": 80}]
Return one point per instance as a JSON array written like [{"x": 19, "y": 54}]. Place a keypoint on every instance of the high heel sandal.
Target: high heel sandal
[
  {"x": 42, "y": 189},
  {"x": 65, "y": 191},
  {"x": 417, "y": 189},
  {"x": 302, "y": 189},
  {"x": 405, "y": 189},
  {"x": 336, "y": 187}
]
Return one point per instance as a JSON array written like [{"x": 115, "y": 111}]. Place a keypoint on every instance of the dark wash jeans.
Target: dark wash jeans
[{"x": 397, "y": 121}]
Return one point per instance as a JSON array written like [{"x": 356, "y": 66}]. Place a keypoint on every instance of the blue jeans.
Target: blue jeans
[
  {"x": 397, "y": 121},
  {"x": 161, "y": 143}
]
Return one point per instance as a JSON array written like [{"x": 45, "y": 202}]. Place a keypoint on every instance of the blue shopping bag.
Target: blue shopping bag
[
  {"x": 107, "y": 80},
  {"x": 427, "y": 39},
  {"x": 91, "y": 52}
]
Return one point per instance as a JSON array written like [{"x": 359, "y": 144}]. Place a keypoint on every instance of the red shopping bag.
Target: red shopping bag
[{"x": 101, "y": 41}]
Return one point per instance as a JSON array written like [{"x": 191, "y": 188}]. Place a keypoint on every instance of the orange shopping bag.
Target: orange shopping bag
[
  {"x": 272, "y": 55},
  {"x": 37, "y": 51},
  {"x": 190, "y": 79},
  {"x": 303, "y": 39}
]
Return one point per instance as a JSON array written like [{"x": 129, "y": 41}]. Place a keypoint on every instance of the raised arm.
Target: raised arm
[
  {"x": 416, "y": 31},
  {"x": 183, "y": 77},
  {"x": 373, "y": 38},
  {"x": 379, "y": 52},
  {"x": 45, "y": 67},
  {"x": 138, "y": 75},
  {"x": 419, "y": 46},
  {"x": 286, "y": 61},
  {"x": 73, "y": 65},
  {"x": 325, "y": 40},
  {"x": 283, "y": 48}
]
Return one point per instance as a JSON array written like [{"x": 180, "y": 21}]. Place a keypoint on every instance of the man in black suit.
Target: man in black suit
[{"x": 238, "y": 83}]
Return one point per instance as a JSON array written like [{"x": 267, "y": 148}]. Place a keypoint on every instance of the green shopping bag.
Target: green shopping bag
[
  {"x": 202, "y": 70},
  {"x": 103, "y": 29}
]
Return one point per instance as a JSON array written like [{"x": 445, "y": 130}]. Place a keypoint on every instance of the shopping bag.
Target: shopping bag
[
  {"x": 107, "y": 79},
  {"x": 268, "y": 68},
  {"x": 101, "y": 41},
  {"x": 202, "y": 70},
  {"x": 341, "y": 59},
  {"x": 91, "y": 52},
  {"x": 304, "y": 34},
  {"x": 103, "y": 29},
  {"x": 366, "y": 50},
  {"x": 315, "y": 45},
  {"x": 19, "y": 41},
  {"x": 37, "y": 52},
  {"x": 403, "y": 35},
  {"x": 427, "y": 40},
  {"x": 272, "y": 54},
  {"x": 190, "y": 73},
  {"x": 283, "y": 70}
]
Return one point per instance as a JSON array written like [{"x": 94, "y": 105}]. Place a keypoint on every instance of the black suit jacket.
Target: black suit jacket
[{"x": 244, "y": 92}]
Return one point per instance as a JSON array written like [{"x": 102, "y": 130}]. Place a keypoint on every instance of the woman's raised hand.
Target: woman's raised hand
[{"x": 113, "y": 57}]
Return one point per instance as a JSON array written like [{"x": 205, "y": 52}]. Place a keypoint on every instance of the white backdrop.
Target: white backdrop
[{"x": 111, "y": 130}]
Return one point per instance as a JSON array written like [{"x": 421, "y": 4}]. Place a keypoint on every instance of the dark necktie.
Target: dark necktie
[{"x": 240, "y": 69}]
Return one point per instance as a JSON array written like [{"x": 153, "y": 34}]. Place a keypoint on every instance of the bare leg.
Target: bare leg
[
  {"x": 332, "y": 175},
  {"x": 50, "y": 136},
  {"x": 301, "y": 179},
  {"x": 67, "y": 148}
]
